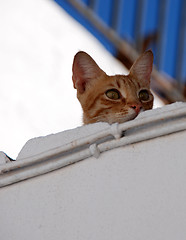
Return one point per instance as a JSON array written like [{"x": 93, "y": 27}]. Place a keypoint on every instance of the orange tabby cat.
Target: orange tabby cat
[{"x": 116, "y": 98}]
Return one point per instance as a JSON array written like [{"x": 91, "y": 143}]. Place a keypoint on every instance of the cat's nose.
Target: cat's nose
[{"x": 136, "y": 107}]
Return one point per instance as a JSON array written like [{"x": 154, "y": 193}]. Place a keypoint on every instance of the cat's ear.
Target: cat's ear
[
  {"x": 142, "y": 67},
  {"x": 84, "y": 70}
]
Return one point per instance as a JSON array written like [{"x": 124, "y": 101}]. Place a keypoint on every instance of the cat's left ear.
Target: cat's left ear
[
  {"x": 142, "y": 67},
  {"x": 84, "y": 70}
]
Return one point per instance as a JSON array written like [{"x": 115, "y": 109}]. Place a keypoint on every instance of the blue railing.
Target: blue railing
[{"x": 156, "y": 24}]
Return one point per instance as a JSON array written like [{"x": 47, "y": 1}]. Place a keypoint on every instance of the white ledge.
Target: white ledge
[
  {"x": 3, "y": 158},
  {"x": 59, "y": 150}
]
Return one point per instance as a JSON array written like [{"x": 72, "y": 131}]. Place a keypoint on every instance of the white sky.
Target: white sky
[{"x": 37, "y": 43}]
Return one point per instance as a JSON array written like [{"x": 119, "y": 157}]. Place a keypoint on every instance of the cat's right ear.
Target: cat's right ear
[
  {"x": 142, "y": 67},
  {"x": 84, "y": 70}
]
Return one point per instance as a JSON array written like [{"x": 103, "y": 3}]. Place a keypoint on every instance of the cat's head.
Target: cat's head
[{"x": 117, "y": 98}]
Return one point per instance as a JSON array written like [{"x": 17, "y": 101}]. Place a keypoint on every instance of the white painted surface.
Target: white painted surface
[
  {"x": 52, "y": 141},
  {"x": 133, "y": 192},
  {"x": 37, "y": 43},
  {"x": 3, "y": 158}
]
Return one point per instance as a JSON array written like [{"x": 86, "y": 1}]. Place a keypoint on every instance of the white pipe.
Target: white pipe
[
  {"x": 59, "y": 162},
  {"x": 145, "y": 135}
]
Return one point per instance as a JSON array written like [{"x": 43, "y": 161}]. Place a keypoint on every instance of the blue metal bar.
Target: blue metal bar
[
  {"x": 169, "y": 38},
  {"x": 87, "y": 24},
  {"x": 126, "y": 19},
  {"x": 86, "y": 2},
  {"x": 149, "y": 17},
  {"x": 181, "y": 56},
  {"x": 148, "y": 25},
  {"x": 183, "y": 70},
  {"x": 103, "y": 9}
]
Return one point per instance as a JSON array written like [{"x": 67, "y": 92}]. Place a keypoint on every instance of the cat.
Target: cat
[{"x": 111, "y": 99}]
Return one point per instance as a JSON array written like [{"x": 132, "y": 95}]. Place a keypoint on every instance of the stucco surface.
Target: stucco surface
[{"x": 132, "y": 192}]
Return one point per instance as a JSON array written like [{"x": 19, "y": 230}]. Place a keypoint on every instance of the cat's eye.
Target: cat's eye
[
  {"x": 144, "y": 95},
  {"x": 113, "y": 94}
]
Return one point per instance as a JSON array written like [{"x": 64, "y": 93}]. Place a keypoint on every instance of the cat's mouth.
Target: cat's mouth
[{"x": 121, "y": 118}]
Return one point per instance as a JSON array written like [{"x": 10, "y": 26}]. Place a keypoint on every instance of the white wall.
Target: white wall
[{"x": 136, "y": 191}]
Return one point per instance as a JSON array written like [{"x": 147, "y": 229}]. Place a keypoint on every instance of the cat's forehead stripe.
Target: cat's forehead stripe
[
  {"x": 125, "y": 84},
  {"x": 131, "y": 83},
  {"x": 120, "y": 82}
]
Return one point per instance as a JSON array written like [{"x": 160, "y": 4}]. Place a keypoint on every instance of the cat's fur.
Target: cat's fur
[{"x": 94, "y": 86}]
